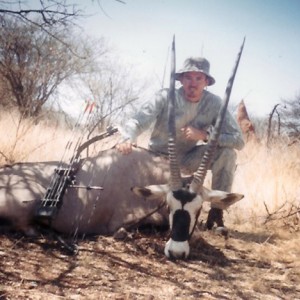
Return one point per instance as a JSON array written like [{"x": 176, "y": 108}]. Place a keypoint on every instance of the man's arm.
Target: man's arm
[
  {"x": 141, "y": 121},
  {"x": 125, "y": 147},
  {"x": 231, "y": 135},
  {"x": 192, "y": 133}
]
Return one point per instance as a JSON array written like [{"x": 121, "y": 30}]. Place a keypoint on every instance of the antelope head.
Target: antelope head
[{"x": 185, "y": 198}]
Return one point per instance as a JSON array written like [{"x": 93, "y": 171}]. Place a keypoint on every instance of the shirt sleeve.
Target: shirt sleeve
[
  {"x": 231, "y": 135},
  {"x": 142, "y": 119}
]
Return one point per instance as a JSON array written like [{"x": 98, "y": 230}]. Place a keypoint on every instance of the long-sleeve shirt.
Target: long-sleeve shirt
[{"x": 200, "y": 115}]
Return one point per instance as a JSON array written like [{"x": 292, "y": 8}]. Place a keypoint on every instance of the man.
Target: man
[{"x": 196, "y": 112}]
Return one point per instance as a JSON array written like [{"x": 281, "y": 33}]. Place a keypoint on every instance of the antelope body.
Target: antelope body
[{"x": 22, "y": 186}]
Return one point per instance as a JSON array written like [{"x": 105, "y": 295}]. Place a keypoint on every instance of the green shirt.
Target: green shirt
[{"x": 201, "y": 115}]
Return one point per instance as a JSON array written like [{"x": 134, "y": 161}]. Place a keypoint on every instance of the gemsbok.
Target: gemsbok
[{"x": 85, "y": 209}]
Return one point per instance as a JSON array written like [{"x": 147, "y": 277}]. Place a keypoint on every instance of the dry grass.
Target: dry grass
[
  {"x": 269, "y": 178},
  {"x": 24, "y": 140},
  {"x": 256, "y": 262}
]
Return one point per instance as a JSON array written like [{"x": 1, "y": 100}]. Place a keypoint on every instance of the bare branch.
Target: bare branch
[
  {"x": 270, "y": 123},
  {"x": 51, "y": 13},
  {"x": 282, "y": 213}
]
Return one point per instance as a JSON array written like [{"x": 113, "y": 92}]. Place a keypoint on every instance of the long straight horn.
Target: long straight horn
[
  {"x": 200, "y": 174},
  {"x": 175, "y": 180}
]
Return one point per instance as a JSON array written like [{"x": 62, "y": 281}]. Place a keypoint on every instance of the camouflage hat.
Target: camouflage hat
[{"x": 196, "y": 64}]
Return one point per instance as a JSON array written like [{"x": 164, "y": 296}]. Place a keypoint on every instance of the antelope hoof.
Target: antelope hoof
[
  {"x": 223, "y": 231},
  {"x": 121, "y": 234}
]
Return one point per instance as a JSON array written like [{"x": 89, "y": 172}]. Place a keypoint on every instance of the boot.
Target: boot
[{"x": 215, "y": 215}]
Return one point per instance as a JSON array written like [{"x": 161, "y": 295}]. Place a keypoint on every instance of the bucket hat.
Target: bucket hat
[{"x": 196, "y": 64}]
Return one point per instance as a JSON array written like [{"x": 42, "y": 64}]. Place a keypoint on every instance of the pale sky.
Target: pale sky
[
  {"x": 269, "y": 68},
  {"x": 142, "y": 30}
]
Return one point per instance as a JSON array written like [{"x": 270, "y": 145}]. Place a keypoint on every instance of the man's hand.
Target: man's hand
[
  {"x": 125, "y": 147},
  {"x": 194, "y": 134}
]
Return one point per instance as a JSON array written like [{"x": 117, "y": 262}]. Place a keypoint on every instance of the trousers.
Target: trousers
[{"x": 223, "y": 165}]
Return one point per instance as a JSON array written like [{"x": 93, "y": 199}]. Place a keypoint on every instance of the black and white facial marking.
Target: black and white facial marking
[{"x": 185, "y": 207}]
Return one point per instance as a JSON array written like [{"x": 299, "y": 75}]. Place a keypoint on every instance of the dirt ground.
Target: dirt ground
[{"x": 249, "y": 265}]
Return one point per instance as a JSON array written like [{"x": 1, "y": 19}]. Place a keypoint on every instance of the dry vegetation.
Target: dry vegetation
[
  {"x": 26, "y": 140},
  {"x": 260, "y": 260}
]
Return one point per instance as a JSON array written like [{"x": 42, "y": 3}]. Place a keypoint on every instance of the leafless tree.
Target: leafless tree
[
  {"x": 271, "y": 124},
  {"x": 33, "y": 64},
  {"x": 290, "y": 117},
  {"x": 113, "y": 87},
  {"x": 284, "y": 121},
  {"x": 47, "y": 13}
]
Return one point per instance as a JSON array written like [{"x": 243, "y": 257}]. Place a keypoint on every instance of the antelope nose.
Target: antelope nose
[
  {"x": 176, "y": 255},
  {"x": 177, "y": 250}
]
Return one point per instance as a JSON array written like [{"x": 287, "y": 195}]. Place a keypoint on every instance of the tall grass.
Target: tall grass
[
  {"x": 23, "y": 140},
  {"x": 268, "y": 177}
]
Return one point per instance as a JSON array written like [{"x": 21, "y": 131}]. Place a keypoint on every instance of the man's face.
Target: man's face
[{"x": 193, "y": 85}]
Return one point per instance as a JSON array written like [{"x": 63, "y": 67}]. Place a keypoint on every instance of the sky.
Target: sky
[{"x": 142, "y": 31}]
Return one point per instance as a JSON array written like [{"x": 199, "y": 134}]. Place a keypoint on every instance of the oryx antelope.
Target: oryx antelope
[
  {"x": 85, "y": 211},
  {"x": 185, "y": 200}
]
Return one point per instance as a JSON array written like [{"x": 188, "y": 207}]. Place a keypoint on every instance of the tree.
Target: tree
[
  {"x": 284, "y": 121},
  {"x": 112, "y": 86},
  {"x": 50, "y": 12},
  {"x": 273, "y": 124},
  {"x": 290, "y": 117},
  {"x": 47, "y": 13},
  {"x": 33, "y": 64}
]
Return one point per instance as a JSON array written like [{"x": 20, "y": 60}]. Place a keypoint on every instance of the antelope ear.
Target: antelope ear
[
  {"x": 151, "y": 192},
  {"x": 222, "y": 200}
]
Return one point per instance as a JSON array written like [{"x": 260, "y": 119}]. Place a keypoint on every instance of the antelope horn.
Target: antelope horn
[
  {"x": 175, "y": 180},
  {"x": 200, "y": 174}
]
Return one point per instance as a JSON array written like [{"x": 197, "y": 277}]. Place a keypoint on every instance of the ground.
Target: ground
[{"x": 257, "y": 264}]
